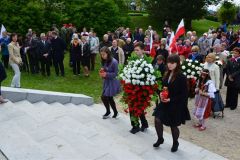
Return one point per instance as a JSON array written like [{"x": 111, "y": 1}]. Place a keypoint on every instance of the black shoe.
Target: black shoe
[
  {"x": 175, "y": 146},
  {"x": 143, "y": 128},
  {"x": 115, "y": 115},
  {"x": 233, "y": 108},
  {"x": 159, "y": 141},
  {"x": 135, "y": 130},
  {"x": 107, "y": 115}
]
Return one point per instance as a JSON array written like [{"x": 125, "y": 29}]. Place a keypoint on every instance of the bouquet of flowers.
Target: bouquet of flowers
[
  {"x": 139, "y": 82},
  {"x": 192, "y": 70}
]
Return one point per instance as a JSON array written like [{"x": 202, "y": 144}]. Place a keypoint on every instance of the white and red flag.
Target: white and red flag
[
  {"x": 180, "y": 31},
  {"x": 152, "y": 49}
]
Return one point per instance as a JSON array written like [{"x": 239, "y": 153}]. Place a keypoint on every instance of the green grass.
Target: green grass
[
  {"x": 201, "y": 26},
  {"x": 143, "y": 22},
  {"x": 91, "y": 86}
]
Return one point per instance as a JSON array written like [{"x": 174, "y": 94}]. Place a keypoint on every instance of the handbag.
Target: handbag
[{"x": 3, "y": 74}]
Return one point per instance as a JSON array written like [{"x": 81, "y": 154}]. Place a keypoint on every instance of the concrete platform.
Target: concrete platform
[
  {"x": 33, "y": 96},
  {"x": 42, "y": 131}
]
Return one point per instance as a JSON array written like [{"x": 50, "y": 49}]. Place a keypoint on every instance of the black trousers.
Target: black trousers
[
  {"x": 136, "y": 123},
  {"x": 34, "y": 63},
  {"x": 45, "y": 66},
  {"x": 232, "y": 97},
  {"x": 5, "y": 59},
  {"x": 76, "y": 66},
  {"x": 0, "y": 89},
  {"x": 93, "y": 60},
  {"x": 58, "y": 64},
  {"x": 25, "y": 66}
]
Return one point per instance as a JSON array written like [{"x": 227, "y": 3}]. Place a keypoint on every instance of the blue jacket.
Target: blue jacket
[{"x": 4, "y": 41}]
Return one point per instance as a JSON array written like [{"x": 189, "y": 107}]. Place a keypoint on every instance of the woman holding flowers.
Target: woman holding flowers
[
  {"x": 172, "y": 110},
  {"x": 111, "y": 86}
]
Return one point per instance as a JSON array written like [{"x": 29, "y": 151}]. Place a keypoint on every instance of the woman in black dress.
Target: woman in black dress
[
  {"x": 172, "y": 110},
  {"x": 85, "y": 54}
]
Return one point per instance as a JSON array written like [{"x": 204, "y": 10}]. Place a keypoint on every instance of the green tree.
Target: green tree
[
  {"x": 227, "y": 12},
  {"x": 174, "y": 11},
  {"x": 103, "y": 15}
]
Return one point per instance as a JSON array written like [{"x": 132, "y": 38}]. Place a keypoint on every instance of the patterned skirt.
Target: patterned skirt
[{"x": 203, "y": 107}]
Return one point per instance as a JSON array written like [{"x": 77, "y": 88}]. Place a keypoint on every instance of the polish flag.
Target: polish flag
[
  {"x": 3, "y": 29},
  {"x": 152, "y": 49},
  {"x": 180, "y": 31}
]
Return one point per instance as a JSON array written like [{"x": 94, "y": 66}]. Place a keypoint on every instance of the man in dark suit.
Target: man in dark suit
[
  {"x": 45, "y": 57},
  {"x": 33, "y": 54},
  {"x": 58, "y": 47}
]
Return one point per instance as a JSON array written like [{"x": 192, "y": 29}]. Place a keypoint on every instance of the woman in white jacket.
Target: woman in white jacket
[{"x": 214, "y": 70}]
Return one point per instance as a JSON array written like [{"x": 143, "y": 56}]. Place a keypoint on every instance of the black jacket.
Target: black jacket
[
  {"x": 45, "y": 49},
  {"x": 85, "y": 51},
  {"x": 233, "y": 69},
  {"x": 3, "y": 74},
  {"x": 128, "y": 49},
  {"x": 104, "y": 44},
  {"x": 34, "y": 48},
  {"x": 75, "y": 52},
  {"x": 58, "y": 47},
  {"x": 175, "y": 112}
]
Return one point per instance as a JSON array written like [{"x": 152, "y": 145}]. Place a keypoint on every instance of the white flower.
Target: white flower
[
  {"x": 188, "y": 71},
  {"x": 189, "y": 64},
  {"x": 193, "y": 73},
  {"x": 185, "y": 73},
  {"x": 183, "y": 67},
  {"x": 190, "y": 61},
  {"x": 198, "y": 72},
  {"x": 147, "y": 82},
  {"x": 188, "y": 76},
  {"x": 142, "y": 75},
  {"x": 151, "y": 70},
  {"x": 142, "y": 83},
  {"x": 152, "y": 83},
  {"x": 202, "y": 64},
  {"x": 146, "y": 69},
  {"x": 128, "y": 81},
  {"x": 193, "y": 66},
  {"x": 187, "y": 60},
  {"x": 196, "y": 61}
]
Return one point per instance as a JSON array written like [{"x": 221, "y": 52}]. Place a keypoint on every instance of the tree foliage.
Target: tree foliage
[
  {"x": 227, "y": 12},
  {"x": 174, "y": 11},
  {"x": 103, "y": 15}
]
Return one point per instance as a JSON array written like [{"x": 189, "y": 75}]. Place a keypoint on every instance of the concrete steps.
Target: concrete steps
[{"x": 56, "y": 131}]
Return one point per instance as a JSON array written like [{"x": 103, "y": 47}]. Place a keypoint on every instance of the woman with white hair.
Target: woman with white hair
[{"x": 85, "y": 54}]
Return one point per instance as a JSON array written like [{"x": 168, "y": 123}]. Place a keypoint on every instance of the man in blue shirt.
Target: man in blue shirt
[{"x": 4, "y": 41}]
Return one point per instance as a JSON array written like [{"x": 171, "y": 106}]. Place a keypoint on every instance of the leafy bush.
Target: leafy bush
[
  {"x": 135, "y": 14},
  {"x": 102, "y": 15},
  {"x": 211, "y": 18}
]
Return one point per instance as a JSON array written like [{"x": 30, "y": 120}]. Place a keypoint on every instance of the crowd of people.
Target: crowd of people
[
  {"x": 35, "y": 55},
  {"x": 212, "y": 46}
]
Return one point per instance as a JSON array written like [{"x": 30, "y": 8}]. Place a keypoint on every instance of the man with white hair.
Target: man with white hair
[
  {"x": 204, "y": 44},
  {"x": 213, "y": 41},
  {"x": 45, "y": 57},
  {"x": 128, "y": 49},
  {"x": 105, "y": 42}
]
